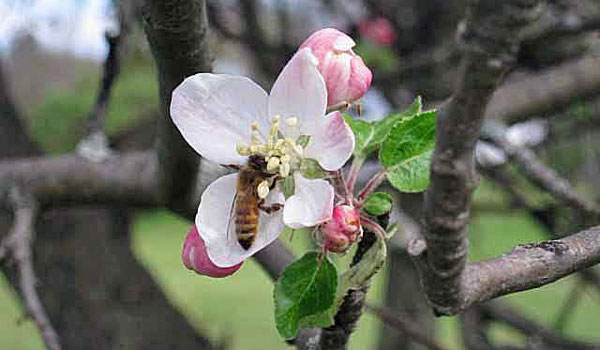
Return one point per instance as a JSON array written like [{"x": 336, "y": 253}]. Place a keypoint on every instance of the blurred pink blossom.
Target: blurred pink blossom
[{"x": 378, "y": 31}]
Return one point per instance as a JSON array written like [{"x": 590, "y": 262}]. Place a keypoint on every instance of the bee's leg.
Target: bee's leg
[{"x": 269, "y": 208}]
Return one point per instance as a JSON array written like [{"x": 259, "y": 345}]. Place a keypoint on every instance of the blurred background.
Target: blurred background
[{"x": 51, "y": 63}]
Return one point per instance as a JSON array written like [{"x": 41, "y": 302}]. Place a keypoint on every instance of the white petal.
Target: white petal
[
  {"x": 331, "y": 141},
  {"x": 214, "y": 112},
  {"x": 311, "y": 204},
  {"x": 215, "y": 215},
  {"x": 299, "y": 91}
]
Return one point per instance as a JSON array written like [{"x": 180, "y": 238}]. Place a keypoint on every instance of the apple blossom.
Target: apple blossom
[
  {"x": 342, "y": 229},
  {"x": 227, "y": 119},
  {"x": 378, "y": 31},
  {"x": 346, "y": 76},
  {"x": 195, "y": 258}
]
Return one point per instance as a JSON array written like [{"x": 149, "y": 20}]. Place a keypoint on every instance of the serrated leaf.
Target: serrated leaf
[
  {"x": 406, "y": 153},
  {"x": 378, "y": 203},
  {"x": 310, "y": 169},
  {"x": 353, "y": 278},
  {"x": 306, "y": 288},
  {"x": 369, "y": 136},
  {"x": 411, "y": 175}
]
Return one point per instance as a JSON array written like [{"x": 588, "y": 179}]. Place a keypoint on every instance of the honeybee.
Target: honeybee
[{"x": 247, "y": 203}]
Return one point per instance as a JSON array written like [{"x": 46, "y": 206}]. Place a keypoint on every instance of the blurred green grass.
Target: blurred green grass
[{"x": 239, "y": 308}]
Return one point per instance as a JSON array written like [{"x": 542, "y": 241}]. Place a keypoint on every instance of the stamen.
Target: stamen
[
  {"x": 273, "y": 164},
  {"x": 263, "y": 189},
  {"x": 254, "y": 126},
  {"x": 285, "y": 159},
  {"x": 284, "y": 169},
  {"x": 242, "y": 149}
]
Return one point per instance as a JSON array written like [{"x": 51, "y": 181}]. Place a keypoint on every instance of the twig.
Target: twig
[
  {"x": 544, "y": 177},
  {"x": 19, "y": 242},
  {"x": 354, "y": 173},
  {"x": 403, "y": 325},
  {"x": 94, "y": 146},
  {"x": 510, "y": 316},
  {"x": 372, "y": 184}
]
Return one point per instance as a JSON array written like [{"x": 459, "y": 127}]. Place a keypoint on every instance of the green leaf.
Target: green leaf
[
  {"x": 305, "y": 289},
  {"x": 378, "y": 203},
  {"x": 310, "y": 169},
  {"x": 288, "y": 187},
  {"x": 406, "y": 153},
  {"x": 412, "y": 175},
  {"x": 369, "y": 136},
  {"x": 303, "y": 140},
  {"x": 353, "y": 278}
]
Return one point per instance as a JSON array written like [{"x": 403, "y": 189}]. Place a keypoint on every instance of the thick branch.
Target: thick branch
[
  {"x": 491, "y": 45},
  {"x": 177, "y": 31},
  {"x": 530, "y": 266},
  {"x": 69, "y": 179},
  {"x": 546, "y": 92}
]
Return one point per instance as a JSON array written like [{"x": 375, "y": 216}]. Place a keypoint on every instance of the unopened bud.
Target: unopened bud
[
  {"x": 342, "y": 230},
  {"x": 346, "y": 76},
  {"x": 195, "y": 257}
]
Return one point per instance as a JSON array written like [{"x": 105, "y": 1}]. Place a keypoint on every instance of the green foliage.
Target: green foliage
[
  {"x": 288, "y": 186},
  {"x": 378, "y": 203},
  {"x": 370, "y": 136},
  {"x": 406, "y": 152},
  {"x": 310, "y": 169},
  {"x": 306, "y": 288}
]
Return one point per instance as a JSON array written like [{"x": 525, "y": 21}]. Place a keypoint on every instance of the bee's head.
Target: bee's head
[{"x": 257, "y": 162}]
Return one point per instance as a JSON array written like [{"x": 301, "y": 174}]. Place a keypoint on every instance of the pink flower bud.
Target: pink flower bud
[
  {"x": 378, "y": 31},
  {"x": 342, "y": 229},
  {"x": 195, "y": 257},
  {"x": 345, "y": 74}
]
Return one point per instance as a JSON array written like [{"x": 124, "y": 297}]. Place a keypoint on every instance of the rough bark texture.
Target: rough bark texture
[
  {"x": 177, "y": 31},
  {"x": 490, "y": 47}
]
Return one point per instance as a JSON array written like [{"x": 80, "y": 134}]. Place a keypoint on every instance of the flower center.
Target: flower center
[{"x": 281, "y": 154}]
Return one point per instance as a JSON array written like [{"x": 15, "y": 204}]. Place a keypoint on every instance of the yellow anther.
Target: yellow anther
[
  {"x": 253, "y": 149},
  {"x": 273, "y": 164},
  {"x": 276, "y": 119},
  {"x": 254, "y": 126},
  {"x": 263, "y": 189},
  {"x": 291, "y": 121},
  {"x": 284, "y": 169},
  {"x": 279, "y": 145},
  {"x": 242, "y": 149},
  {"x": 255, "y": 139}
]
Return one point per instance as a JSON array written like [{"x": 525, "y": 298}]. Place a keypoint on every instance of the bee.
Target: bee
[{"x": 247, "y": 204}]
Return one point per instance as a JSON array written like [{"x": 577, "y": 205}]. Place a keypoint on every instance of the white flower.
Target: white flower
[{"x": 227, "y": 118}]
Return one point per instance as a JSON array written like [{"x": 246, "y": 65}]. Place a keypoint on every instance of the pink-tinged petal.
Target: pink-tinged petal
[
  {"x": 216, "y": 214},
  {"x": 360, "y": 79},
  {"x": 299, "y": 91},
  {"x": 214, "y": 113},
  {"x": 345, "y": 74},
  {"x": 311, "y": 204},
  {"x": 195, "y": 257},
  {"x": 331, "y": 142}
]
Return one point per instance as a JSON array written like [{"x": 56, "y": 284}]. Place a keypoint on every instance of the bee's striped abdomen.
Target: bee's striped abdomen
[{"x": 246, "y": 220}]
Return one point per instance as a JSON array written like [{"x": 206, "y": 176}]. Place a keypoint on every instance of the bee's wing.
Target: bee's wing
[{"x": 231, "y": 221}]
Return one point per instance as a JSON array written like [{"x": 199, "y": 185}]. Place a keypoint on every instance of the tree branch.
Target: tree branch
[
  {"x": 128, "y": 179},
  {"x": 19, "y": 242},
  {"x": 177, "y": 31},
  {"x": 544, "y": 177},
  {"x": 490, "y": 47},
  {"x": 388, "y": 317}
]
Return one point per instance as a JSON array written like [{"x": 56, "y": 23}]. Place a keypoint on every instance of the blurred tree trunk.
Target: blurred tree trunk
[{"x": 96, "y": 293}]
